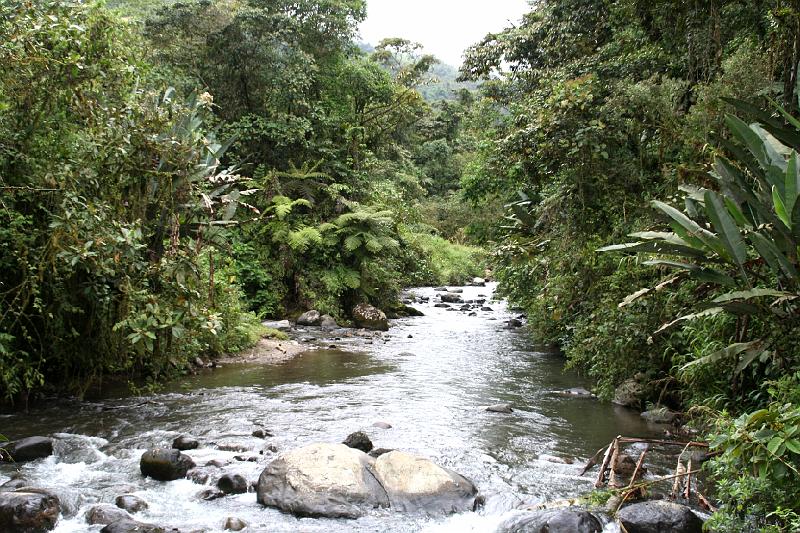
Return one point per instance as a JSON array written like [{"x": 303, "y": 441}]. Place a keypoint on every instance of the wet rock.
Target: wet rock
[
  {"x": 358, "y": 440},
  {"x": 13, "y": 484},
  {"x": 661, "y": 416},
  {"x": 271, "y": 448},
  {"x": 105, "y": 514},
  {"x": 232, "y": 447},
  {"x": 198, "y": 475},
  {"x": 486, "y": 308},
  {"x": 232, "y": 484},
  {"x": 442, "y": 306},
  {"x": 165, "y": 465},
  {"x": 552, "y": 521},
  {"x": 246, "y": 458},
  {"x": 473, "y": 314},
  {"x": 577, "y": 391},
  {"x": 478, "y": 282},
  {"x": 514, "y": 323},
  {"x": 234, "y": 524},
  {"x": 440, "y": 289},
  {"x": 327, "y": 322},
  {"x": 465, "y": 308},
  {"x": 132, "y": 526},
  {"x": 369, "y": 317},
  {"x": 309, "y": 318},
  {"x": 457, "y": 291},
  {"x": 281, "y": 325},
  {"x": 131, "y": 503},
  {"x": 329, "y": 480},
  {"x": 629, "y": 394},
  {"x": 626, "y": 465},
  {"x": 210, "y": 495},
  {"x": 184, "y": 443},
  {"x": 416, "y": 484},
  {"x": 377, "y": 452},
  {"x": 382, "y": 425},
  {"x": 217, "y": 463},
  {"x": 500, "y": 408},
  {"x": 557, "y": 460},
  {"x": 262, "y": 433},
  {"x": 451, "y": 298},
  {"x": 28, "y": 511},
  {"x": 27, "y": 449},
  {"x": 199, "y": 362},
  {"x": 659, "y": 516}
]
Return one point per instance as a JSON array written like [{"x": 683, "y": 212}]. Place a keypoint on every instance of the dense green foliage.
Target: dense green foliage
[
  {"x": 133, "y": 239},
  {"x": 609, "y": 108}
]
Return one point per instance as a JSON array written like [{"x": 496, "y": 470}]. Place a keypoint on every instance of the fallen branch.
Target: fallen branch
[{"x": 602, "y": 474}]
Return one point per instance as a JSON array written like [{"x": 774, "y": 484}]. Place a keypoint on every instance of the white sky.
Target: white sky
[{"x": 445, "y": 27}]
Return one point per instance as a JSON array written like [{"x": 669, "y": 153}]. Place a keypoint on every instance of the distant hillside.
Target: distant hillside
[{"x": 444, "y": 85}]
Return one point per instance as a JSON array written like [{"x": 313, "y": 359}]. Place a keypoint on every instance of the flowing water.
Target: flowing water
[{"x": 429, "y": 377}]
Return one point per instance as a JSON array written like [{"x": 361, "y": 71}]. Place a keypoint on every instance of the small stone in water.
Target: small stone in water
[
  {"x": 500, "y": 408},
  {"x": 234, "y": 524},
  {"x": 185, "y": 443},
  {"x": 131, "y": 503},
  {"x": 382, "y": 425},
  {"x": 232, "y": 484},
  {"x": 358, "y": 440}
]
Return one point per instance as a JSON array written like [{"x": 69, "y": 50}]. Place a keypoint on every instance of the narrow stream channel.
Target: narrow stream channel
[{"x": 429, "y": 377}]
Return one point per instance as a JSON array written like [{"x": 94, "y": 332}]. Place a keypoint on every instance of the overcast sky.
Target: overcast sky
[{"x": 445, "y": 27}]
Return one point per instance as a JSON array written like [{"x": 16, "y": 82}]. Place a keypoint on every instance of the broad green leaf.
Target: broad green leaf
[
  {"x": 748, "y": 294},
  {"x": 705, "y": 274},
  {"x": 764, "y": 153},
  {"x": 793, "y": 446},
  {"x": 792, "y": 185},
  {"x": 726, "y": 227},
  {"x": 655, "y": 247},
  {"x": 777, "y": 261},
  {"x": 774, "y": 444},
  {"x": 726, "y": 353},
  {"x": 692, "y": 232},
  {"x": 780, "y": 207},
  {"x": 693, "y": 316}
]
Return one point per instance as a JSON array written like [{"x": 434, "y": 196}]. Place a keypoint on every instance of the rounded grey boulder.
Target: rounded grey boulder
[
  {"x": 658, "y": 516},
  {"x": 165, "y": 465},
  {"x": 359, "y": 440},
  {"x": 105, "y": 514},
  {"x": 327, "y": 480},
  {"x": 131, "y": 503},
  {"x": 552, "y": 521},
  {"x": 27, "y": 449},
  {"x": 309, "y": 318},
  {"x": 28, "y": 511},
  {"x": 232, "y": 484},
  {"x": 417, "y": 484},
  {"x": 369, "y": 317},
  {"x": 184, "y": 443}
]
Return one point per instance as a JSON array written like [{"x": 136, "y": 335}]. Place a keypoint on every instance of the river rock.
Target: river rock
[
  {"x": 514, "y": 323},
  {"x": 504, "y": 408},
  {"x": 309, "y": 318},
  {"x": 451, "y": 298},
  {"x": 14, "y": 484},
  {"x": 659, "y": 516},
  {"x": 369, "y": 317},
  {"x": 478, "y": 282},
  {"x": 105, "y": 514},
  {"x": 131, "y": 503},
  {"x": 661, "y": 416},
  {"x": 629, "y": 394},
  {"x": 552, "y": 521},
  {"x": 328, "y": 322},
  {"x": 358, "y": 440},
  {"x": 329, "y": 480},
  {"x": 382, "y": 425},
  {"x": 281, "y": 325},
  {"x": 442, "y": 306},
  {"x": 27, "y": 449},
  {"x": 132, "y": 526},
  {"x": 184, "y": 443},
  {"x": 232, "y": 484},
  {"x": 28, "y": 511},
  {"x": 440, "y": 289},
  {"x": 416, "y": 484},
  {"x": 165, "y": 465},
  {"x": 234, "y": 524}
]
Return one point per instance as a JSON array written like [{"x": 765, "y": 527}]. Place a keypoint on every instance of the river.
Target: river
[{"x": 429, "y": 377}]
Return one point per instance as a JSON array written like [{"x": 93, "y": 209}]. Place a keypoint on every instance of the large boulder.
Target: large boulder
[
  {"x": 658, "y": 516},
  {"x": 417, "y": 484},
  {"x": 552, "y": 521},
  {"x": 28, "y": 511},
  {"x": 327, "y": 322},
  {"x": 661, "y": 415},
  {"x": 27, "y": 449},
  {"x": 329, "y": 480},
  {"x": 309, "y": 318},
  {"x": 165, "y": 465},
  {"x": 451, "y": 298},
  {"x": 105, "y": 514},
  {"x": 629, "y": 394},
  {"x": 369, "y": 317}
]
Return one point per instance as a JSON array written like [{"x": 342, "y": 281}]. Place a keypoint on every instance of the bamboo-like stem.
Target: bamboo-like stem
[{"x": 602, "y": 474}]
